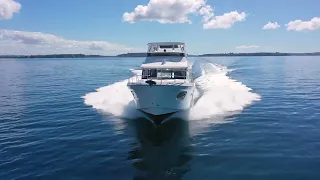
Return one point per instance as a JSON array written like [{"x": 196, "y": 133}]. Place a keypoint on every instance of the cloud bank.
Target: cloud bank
[
  {"x": 271, "y": 25},
  {"x": 22, "y": 42},
  {"x": 178, "y": 11},
  {"x": 298, "y": 25},
  {"x": 8, "y": 8}
]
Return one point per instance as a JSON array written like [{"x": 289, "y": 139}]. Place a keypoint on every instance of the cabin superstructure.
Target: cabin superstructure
[
  {"x": 166, "y": 60},
  {"x": 166, "y": 84}
]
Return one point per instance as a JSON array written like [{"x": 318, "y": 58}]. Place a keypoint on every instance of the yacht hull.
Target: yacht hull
[{"x": 162, "y": 100}]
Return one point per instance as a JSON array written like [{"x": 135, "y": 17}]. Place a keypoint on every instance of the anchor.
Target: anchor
[{"x": 150, "y": 82}]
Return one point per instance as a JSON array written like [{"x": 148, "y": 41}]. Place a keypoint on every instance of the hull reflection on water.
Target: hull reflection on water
[{"x": 161, "y": 151}]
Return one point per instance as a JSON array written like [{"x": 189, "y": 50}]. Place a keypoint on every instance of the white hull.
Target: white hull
[{"x": 162, "y": 99}]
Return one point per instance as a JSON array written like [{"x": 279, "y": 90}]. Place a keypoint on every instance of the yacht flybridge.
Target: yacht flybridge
[{"x": 166, "y": 85}]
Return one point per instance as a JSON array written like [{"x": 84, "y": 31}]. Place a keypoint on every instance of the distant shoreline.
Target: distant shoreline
[{"x": 130, "y": 55}]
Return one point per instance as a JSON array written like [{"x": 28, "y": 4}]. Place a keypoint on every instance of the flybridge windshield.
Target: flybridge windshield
[{"x": 166, "y": 48}]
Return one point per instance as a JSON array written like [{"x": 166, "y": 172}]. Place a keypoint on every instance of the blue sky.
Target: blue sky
[{"x": 100, "y": 26}]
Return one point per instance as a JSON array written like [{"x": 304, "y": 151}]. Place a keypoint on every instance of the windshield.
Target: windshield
[
  {"x": 164, "y": 73},
  {"x": 156, "y": 48}
]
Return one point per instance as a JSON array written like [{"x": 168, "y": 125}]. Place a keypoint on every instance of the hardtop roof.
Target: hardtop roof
[
  {"x": 166, "y": 43},
  {"x": 165, "y": 62}
]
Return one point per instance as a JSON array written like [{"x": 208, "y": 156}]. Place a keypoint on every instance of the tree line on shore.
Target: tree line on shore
[{"x": 145, "y": 54}]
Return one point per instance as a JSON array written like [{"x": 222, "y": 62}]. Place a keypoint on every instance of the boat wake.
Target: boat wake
[{"x": 216, "y": 95}]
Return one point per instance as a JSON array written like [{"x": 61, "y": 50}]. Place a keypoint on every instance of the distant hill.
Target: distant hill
[
  {"x": 133, "y": 55},
  {"x": 232, "y": 54},
  {"x": 52, "y": 56},
  {"x": 264, "y": 54},
  {"x": 145, "y": 54}
]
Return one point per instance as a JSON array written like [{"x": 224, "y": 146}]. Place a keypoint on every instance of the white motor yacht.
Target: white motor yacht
[{"x": 166, "y": 84}]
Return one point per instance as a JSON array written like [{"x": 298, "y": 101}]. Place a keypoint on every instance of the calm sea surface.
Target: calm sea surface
[{"x": 259, "y": 118}]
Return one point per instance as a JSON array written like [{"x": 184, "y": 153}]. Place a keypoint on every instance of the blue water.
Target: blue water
[{"x": 259, "y": 118}]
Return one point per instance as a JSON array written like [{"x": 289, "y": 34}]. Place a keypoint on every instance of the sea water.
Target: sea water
[{"x": 254, "y": 118}]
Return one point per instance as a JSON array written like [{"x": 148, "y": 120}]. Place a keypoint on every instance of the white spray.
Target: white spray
[{"x": 217, "y": 95}]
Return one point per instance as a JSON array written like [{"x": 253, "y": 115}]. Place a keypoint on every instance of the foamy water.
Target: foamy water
[{"x": 216, "y": 95}]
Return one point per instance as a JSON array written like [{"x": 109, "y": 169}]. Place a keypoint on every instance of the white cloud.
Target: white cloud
[
  {"x": 178, "y": 11},
  {"x": 299, "y": 25},
  {"x": 206, "y": 12},
  {"x": 22, "y": 42},
  {"x": 225, "y": 21},
  {"x": 165, "y": 11},
  {"x": 247, "y": 47},
  {"x": 8, "y": 8},
  {"x": 271, "y": 25}
]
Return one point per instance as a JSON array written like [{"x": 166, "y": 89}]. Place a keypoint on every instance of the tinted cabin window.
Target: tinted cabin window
[
  {"x": 149, "y": 73},
  {"x": 179, "y": 74},
  {"x": 152, "y": 73},
  {"x": 172, "y": 74},
  {"x": 164, "y": 74},
  {"x": 144, "y": 74}
]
